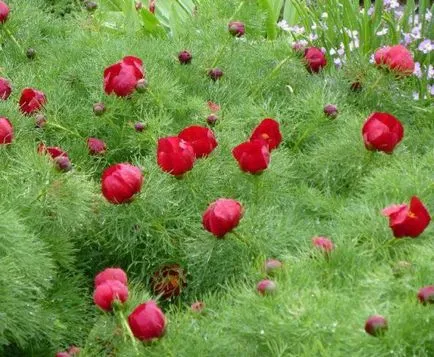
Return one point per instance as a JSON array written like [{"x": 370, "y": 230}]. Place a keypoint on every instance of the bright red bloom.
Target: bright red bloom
[
  {"x": 252, "y": 156},
  {"x": 5, "y": 89},
  {"x": 266, "y": 287},
  {"x": 121, "y": 78},
  {"x": 175, "y": 155},
  {"x": 200, "y": 138},
  {"x": 236, "y": 28},
  {"x": 108, "y": 292},
  {"x": 31, "y": 100},
  {"x": 169, "y": 281},
  {"x": 382, "y": 132},
  {"x": 426, "y": 295},
  {"x": 314, "y": 59},
  {"x": 323, "y": 243},
  {"x": 4, "y": 12},
  {"x": 396, "y": 58},
  {"x": 147, "y": 321},
  {"x": 408, "y": 221},
  {"x": 222, "y": 216},
  {"x": 111, "y": 274},
  {"x": 96, "y": 146},
  {"x": 6, "y": 131},
  {"x": 121, "y": 182},
  {"x": 376, "y": 325},
  {"x": 268, "y": 130},
  {"x": 53, "y": 151}
]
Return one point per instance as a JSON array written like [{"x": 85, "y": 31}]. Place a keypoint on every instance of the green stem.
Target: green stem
[
  {"x": 241, "y": 238},
  {"x": 123, "y": 321},
  {"x": 270, "y": 75},
  {"x": 54, "y": 125},
  {"x": 222, "y": 48},
  {"x": 14, "y": 40}
]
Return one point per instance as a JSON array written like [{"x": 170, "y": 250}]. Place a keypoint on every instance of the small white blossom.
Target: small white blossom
[
  {"x": 430, "y": 72},
  {"x": 338, "y": 62},
  {"x": 324, "y": 15},
  {"x": 415, "y": 95},
  {"x": 431, "y": 89},
  {"x": 371, "y": 11},
  {"x": 383, "y": 32},
  {"x": 372, "y": 59},
  {"x": 426, "y": 46},
  {"x": 283, "y": 25},
  {"x": 417, "y": 70},
  {"x": 313, "y": 37},
  {"x": 428, "y": 15},
  {"x": 298, "y": 30},
  {"x": 416, "y": 32},
  {"x": 332, "y": 52}
]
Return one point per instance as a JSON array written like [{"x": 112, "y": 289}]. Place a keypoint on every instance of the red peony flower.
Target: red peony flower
[
  {"x": 121, "y": 78},
  {"x": 222, "y": 216},
  {"x": 108, "y": 292},
  {"x": 169, "y": 281},
  {"x": 4, "y": 12},
  {"x": 53, "y": 151},
  {"x": 323, "y": 243},
  {"x": 96, "y": 146},
  {"x": 111, "y": 274},
  {"x": 382, "y": 132},
  {"x": 175, "y": 155},
  {"x": 200, "y": 138},
  {"x": 376, "y": 325},
  {"x": 6, "y": 131},
  {"x": 408, "y": 221},
  {"x": 5, "y": 89},
  {"x": 268, "y": 130},
  {"x": 314, "y": 59},
  {"x": 266, "y": 287},
  {"x": 31, "y": 101},
  {"x": 252, "y": 156},
  {"x": 147, "y": 321},
  {"x": 396, "y": 58},
  {"x": 236, "y": 28},
  {"x": 426, "y": 295},
  {"x": 121, "y": 182}
]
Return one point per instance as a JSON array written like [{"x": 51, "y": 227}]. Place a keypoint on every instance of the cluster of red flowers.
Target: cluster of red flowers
[{"x": 146, "y": 321}]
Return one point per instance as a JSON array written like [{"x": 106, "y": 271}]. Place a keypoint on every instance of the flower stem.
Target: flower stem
[
  {"x": 123, "y": 321},
  {"x": 241, "y": 238},
  {"x": 58, "y": 126},
  {"x": 14, "y": 40}
]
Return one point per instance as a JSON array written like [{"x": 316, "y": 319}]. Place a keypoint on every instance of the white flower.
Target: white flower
[
  {"x": 407, "y": 39},
  {"x": 417, "y": 70},
  {"x": 313, "y": 37},
  {"x": 283, "y": 25},
  {"x": 428, "y": 15},
  {"x": 298, "y": 30},
  {"x": 430, "y": 72},
  {"x": 383, "y": 32},
  {"x": 338, "y": 62},
  {"x": 332, "y": 52},
  {"x": 372, "y": 59},
  {"x": 426, "y": 46},
  {"x": 431, "y": 89},
  {"x": 415, "y": 32},
  {"x": 324, "y": 15},
  {"x": 415, "y": 95},
  {"x": 371, "y": 10},
  {"x": 314, "y": 27}
]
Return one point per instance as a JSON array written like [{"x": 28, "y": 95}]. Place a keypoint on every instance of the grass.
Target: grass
[{"x": 57, "y": 231}]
